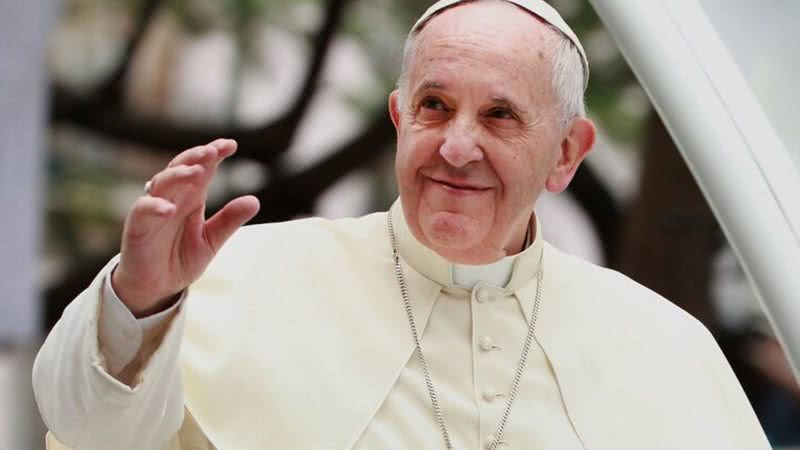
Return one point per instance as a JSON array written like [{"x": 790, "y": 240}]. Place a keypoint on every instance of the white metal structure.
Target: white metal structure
[
  {"x": 24, "y": 32},
  {"x": 741, "y": 165},
  {"x": 22, "y": 124}
]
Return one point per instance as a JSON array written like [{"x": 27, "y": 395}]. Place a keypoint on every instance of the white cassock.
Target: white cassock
[{"x": 296, "y": 338}]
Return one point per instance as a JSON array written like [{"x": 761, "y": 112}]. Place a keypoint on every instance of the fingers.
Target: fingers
[
  {"x": 147, "y": 215},
  {"x": 206, "y": 155},
  {"x": 222, "y": 225},
  {"x": 195, "y": 166},
  {"x": 170, "y": 182}
]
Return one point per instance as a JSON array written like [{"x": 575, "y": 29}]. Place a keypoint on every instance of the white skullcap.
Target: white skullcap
[{"x": 536, "y": 7}]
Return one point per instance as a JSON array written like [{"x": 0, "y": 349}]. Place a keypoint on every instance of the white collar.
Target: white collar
[
  {"x": 496, "y": 274},
  {"x": 511, "y": 272}
]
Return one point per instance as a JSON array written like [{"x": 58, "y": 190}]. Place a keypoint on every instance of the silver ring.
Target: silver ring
[{"x": 148, "y": 186}]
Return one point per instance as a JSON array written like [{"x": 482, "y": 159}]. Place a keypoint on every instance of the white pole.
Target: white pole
[
  {"x": 24, "y": 33},
  {"x": 24, "y": 36},
  {"x": 742, "y": 167}
]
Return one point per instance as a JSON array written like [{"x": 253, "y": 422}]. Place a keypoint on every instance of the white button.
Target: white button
[
  {"x": 487, "y": 344},
  {"x": 484, "y": 296},
  {"x": 491, "y": 396}
]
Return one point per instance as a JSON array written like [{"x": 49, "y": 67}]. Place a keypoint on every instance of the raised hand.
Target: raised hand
[{"x": 167, "y": 243}]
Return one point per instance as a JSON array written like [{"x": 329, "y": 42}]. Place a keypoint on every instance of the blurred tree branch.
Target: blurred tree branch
[
  {"x": 296, "y": 194},
  {"x": 603, "y": 210},
  {"x": 283, "y": 199},
  {"x": 102, "y": 110},
  {"x": 670, "y": 236},
  {"x": 112, "y": 86},
  {"x": 108, "y": 92}
]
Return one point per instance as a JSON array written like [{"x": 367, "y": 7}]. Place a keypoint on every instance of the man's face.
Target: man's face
[{"x": 478, "y": 134}]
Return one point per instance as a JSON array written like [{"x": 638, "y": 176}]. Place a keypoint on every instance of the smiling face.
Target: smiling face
[{"x": 478, "y": 133}]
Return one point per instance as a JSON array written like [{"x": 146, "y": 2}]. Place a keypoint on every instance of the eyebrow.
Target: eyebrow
[
  {"x": 499, "y": 100},
  {"x": 431, "y": 85},
  {"x": 503, "y": 101}
]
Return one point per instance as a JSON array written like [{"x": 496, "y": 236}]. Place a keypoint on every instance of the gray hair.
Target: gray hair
[{"x": 568, "y": 75}]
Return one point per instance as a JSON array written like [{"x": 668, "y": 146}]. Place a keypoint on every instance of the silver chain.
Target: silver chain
[{"x": 401, "y": 281}]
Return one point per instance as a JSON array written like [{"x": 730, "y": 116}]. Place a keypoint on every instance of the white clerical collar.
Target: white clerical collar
[
  {"x": 496, "y": 274},
  {"x": 510, "y": 272}
]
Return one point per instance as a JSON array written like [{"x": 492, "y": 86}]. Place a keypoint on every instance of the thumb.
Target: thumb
[{"x": 222, "y": 225}]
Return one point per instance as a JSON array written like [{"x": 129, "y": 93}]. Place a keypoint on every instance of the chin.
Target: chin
[{"x": 452, "y": 231}]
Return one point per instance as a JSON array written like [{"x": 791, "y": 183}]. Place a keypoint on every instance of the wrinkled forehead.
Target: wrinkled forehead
[
  {"x": 495, "y": 23},
  {"x": 489, "y": 53},
  {"x": 538, "y": 8},
  {"x": 492, "y": 36}
]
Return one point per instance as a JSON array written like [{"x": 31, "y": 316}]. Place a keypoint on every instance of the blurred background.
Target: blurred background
[{"x": 98, "y": 95}]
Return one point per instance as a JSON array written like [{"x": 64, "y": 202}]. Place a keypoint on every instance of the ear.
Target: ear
[
  {"x": 394, "y": 109},
  {"x": 575, "y": 146}
]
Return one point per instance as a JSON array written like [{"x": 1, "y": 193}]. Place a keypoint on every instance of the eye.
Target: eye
[
  {"x": 433, "y": 103},
  {"x": 500, "y": 113}
]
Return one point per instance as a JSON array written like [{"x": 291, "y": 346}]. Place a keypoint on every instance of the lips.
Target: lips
[{"x": 459, "y": 185}]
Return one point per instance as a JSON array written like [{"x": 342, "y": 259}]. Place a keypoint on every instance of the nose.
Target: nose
[{"x": 460, "y": 146}]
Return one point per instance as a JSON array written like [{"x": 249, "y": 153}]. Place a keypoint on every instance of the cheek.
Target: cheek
[
  {"x": 406, "y": 169},
  {"x": 413, "y": 153},
  {"x": 522, "y": 177},
  {"x": 405, "y": 164}
]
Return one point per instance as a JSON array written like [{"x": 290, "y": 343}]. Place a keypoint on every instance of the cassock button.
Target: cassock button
[
  {"x": 484, "y": 296},
  {"x": 491, "y": 396},
  {"x": 487, "y": 344}
]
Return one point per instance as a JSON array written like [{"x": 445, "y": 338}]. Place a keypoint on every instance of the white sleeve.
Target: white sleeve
[
  {"x": 120, "y": 334},
  {"x": 88, "y": 409}
]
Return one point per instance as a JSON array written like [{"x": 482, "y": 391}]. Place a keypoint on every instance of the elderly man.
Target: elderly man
[{"x": 446, "y": 322}]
